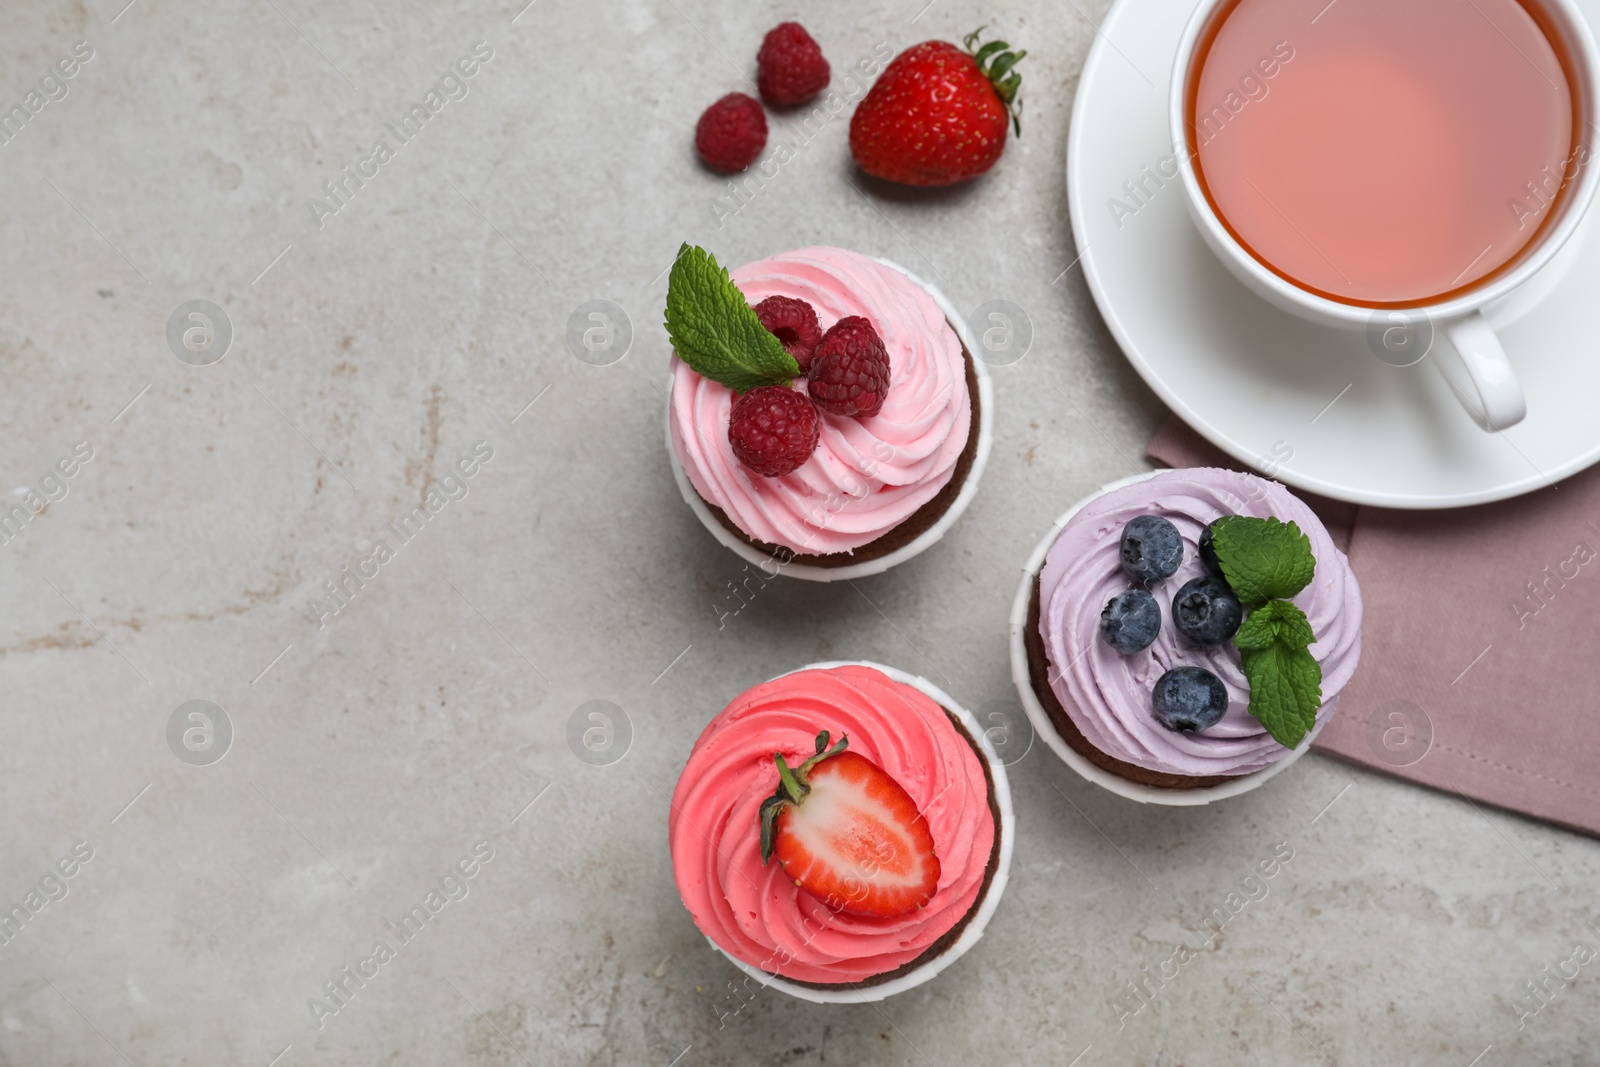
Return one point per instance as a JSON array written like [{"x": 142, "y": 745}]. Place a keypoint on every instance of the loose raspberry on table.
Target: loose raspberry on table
[
  {"x": 790, "y": 68},
  {"x": 850, "y": 369},
  {"x": 773, "y": 429},
  {"x": 732, "y": 132},
  {"x": 793, "y": 322}
]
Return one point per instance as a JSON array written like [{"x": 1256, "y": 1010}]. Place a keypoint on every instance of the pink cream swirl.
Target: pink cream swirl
[
  {"x": 1108, "y": 694},
  {"x": 754, "y": 912},
  {"x": 867, "y": 475}
]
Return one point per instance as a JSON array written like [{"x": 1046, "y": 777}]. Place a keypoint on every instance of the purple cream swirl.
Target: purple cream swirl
[{"x": 1108, "y": 694}]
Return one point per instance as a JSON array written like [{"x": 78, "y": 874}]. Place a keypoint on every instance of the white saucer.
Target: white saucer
[{"x": 1258, "y": 382}]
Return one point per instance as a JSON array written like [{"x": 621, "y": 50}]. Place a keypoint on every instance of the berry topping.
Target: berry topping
[
  {"x": 937, "y": 115},
  {"x": 850, "y": 369},
  {"x": 731, "y": 133},
  {"x": 1151, "y": 549},
  {"x": 1130, "y": 621},
  {"x": 1206, "y": 611},
  {"x": 1189, "y": 699},
  {"x": 789, "y": 68},
  {"x": 849, "y": 835},
  {"x": 793, "y": 322},
  {"x": 773, "y": 430},
  {"x": 1208, "y": 550}
]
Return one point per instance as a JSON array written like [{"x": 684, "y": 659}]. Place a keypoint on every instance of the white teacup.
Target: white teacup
[{"x": 1475, "y": 362}]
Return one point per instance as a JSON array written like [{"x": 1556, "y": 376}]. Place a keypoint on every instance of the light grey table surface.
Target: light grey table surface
[{"x": 372, "y": 749}]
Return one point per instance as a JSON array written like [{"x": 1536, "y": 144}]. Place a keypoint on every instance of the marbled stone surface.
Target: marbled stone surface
[{"x": 371, "y": 749}]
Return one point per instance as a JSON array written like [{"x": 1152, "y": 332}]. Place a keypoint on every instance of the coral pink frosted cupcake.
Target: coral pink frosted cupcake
[
  {"x": 842, "y": 833},
  {"x": 883, "y": 444},
  {"x": 1182, "y": 636}
]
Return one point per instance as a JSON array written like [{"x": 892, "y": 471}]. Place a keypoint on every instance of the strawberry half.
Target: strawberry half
[
  {"x": 849, "y": 835},
  {"x": 938, "y": 115}
]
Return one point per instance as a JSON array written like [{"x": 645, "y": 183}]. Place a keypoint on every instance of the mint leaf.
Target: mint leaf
[
  {"x": 1263, "y": 559},
  {"x": 1267, "y": 562},
  {"x": 1275, "y": 622},
  {"x": 1285, "y": 690},
  {"x": 716, "y": 332}
]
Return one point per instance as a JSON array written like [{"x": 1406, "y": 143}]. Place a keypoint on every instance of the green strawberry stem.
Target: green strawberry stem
[
  {"x": 995, "y": 61},
  {"x": 792, "y": 788},
  {"x": 788, "y": 783}
]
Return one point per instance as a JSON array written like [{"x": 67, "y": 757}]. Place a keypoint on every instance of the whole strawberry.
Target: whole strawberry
[{"x": 937, "y": 115}]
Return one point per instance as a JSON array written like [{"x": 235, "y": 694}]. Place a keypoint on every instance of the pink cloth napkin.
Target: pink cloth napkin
[{"x": 1480, "y": 662}]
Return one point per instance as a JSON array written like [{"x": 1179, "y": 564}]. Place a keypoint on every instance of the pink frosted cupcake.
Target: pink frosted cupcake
[
  {"x": 817, "y": 877},
  {"x": 876, "y": 482},
  {"x": 1176, "y": 664}
]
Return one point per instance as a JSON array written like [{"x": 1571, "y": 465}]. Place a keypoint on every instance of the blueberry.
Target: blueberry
[
  {"x": 1151, "y": 549},
  {"x": 1208, "y": 551},
  {"x": 1130, "y": 621},
  {"x": 1189, "y": 699},
  {"x": 1206, "y": 611}
]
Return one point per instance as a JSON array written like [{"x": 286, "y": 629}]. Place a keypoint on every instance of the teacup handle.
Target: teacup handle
[{"x": 1481, "y": 375}]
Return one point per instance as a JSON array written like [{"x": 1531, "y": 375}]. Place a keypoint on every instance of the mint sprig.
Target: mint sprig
[
  {"x": 1275, "y": 622},
  {"x": 1267, "y": 562},
  {"x": 1263, "y": 559},
  {"x": 1285, "y": 679},
  {"x": 1285, "y": 690},
  {"x": 714, "y": 329}
]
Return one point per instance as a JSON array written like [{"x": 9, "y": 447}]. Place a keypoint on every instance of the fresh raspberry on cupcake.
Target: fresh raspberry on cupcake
[
  {"x": 773, "y": 430},
  {"x": 792, "y": 322},
  {"x": 850, "y": 369}
]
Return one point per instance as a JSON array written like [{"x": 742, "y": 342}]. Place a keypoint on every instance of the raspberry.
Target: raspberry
[
  {"x": 773, "y": 429},
  {"x": 732, "y": 132},
  {"x": 793, "y": 322},
  {"x": 850, "y": 369},
  {"x": 789, "y": 68}
]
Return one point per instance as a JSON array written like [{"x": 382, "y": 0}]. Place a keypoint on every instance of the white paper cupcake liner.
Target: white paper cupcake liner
[
  {"x": 969, "y": 488},
  {"x": 1022, "y": 677},
  {"x": 973, "y": 931}
]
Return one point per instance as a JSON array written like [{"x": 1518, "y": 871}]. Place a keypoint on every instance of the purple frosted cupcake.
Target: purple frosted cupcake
[{"x": 1089, "y": 665}]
